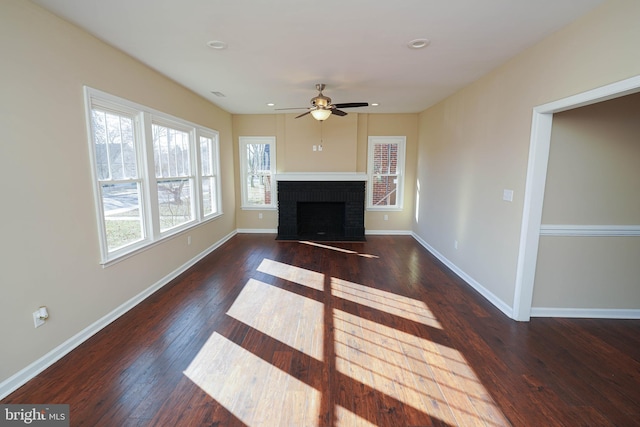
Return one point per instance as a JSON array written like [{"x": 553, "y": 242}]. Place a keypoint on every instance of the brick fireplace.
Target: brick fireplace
[{"x": 314, "y": 207}]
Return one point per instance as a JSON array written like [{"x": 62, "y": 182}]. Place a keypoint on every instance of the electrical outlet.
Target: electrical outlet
[
  {"x": 39, "y": 318},
  {"x": 385, "y": 217},
  {"x": 455, "y": 244},
  {"x": 259, "y": 215},
  {"x": 188, "y": 240}
]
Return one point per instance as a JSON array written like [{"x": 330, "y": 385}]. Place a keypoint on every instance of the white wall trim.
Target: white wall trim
[
  {"x": 21, "y": 377},
  {"x": 257, "y": 231},
  {"x": 388, "y": 232},
  {"x": 488, "y": 295},
  {"x": 586, "y": 313},
  {"x": 568, "y": 230},
  {"x": 540, "y": 143},
  {"x": 532, "y": 214},
  {"x": 367, "y": 232}
]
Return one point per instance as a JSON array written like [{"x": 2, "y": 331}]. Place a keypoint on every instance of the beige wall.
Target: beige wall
[
  {"x": 475, "y": 144},
  {"x": 593, "y": 175},
  {"x": 337, "y": 135},
  {"x": 593, "y": 179},
  {"x": 49, "y": 248},
  {"x": 344, "y": 141},
  {"x": 588, "y": 273}
]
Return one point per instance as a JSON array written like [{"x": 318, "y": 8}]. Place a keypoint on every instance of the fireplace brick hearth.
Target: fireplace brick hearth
[{"x": 321, "y": 210}]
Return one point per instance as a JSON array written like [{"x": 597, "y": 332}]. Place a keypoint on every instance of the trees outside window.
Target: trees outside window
[
  {"x": 174, "y": 181},
  {"x": 119, "y": 183},
  {"x": 209, "y": 174},
  {"x": 257, "y": 168}
]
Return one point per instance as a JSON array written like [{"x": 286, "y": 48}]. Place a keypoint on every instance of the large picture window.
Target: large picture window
[
  {"x": 386, "y": 172},
  {"x": 155, "y": 175},
  {"x": 257, "y": 169}
]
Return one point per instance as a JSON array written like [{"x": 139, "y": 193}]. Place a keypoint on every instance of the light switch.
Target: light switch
[
  {"x": 507, "y": 195},
  {"x": 315, "y": 148}
]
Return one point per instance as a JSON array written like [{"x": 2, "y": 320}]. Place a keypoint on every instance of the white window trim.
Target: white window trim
[
  {"x": 144, "y": 117},
  {"x": 214, "y": 136},
  {"x": 243, "y": 141},
  {"x": 402, "y": 143}
]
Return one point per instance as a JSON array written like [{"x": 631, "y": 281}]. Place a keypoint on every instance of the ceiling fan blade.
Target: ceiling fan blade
[
  {"x": 352, "y": 105},
  {"x": 303, "y": 114},
  {"x": 338, "y": 112}
]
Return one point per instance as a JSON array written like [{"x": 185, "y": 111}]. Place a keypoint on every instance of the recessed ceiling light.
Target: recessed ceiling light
[
  {"x": 216, "y": 44},
  {"x": 418, "y": 43},
  {"x": 374, "y": 104},
  {"x": 270, "y": 104}
]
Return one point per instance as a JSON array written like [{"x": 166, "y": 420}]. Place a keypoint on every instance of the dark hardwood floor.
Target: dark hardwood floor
[{"x": 376, "y": 333}]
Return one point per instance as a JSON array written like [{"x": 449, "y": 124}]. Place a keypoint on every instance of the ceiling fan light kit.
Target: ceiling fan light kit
[
  {"x": 322, "y": 107},
  {"x": 320, "y": 114}
]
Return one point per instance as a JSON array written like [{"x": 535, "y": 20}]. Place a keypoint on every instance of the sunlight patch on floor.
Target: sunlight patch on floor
[
  {"x": 288, "y": 317},
  {"x": 240, "y": 381},
  {"x": 412, "y": 370},
  {"x": 428, "y": 377},
  {"x": 337, "y": 249},
  {"x": 346, "y": 418},
  {"x": 388, "y": 302},
  {"x": 301, "y": 276}
]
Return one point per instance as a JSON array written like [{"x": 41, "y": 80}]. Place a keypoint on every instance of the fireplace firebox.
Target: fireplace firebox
[{"x": 321, "y": 210}]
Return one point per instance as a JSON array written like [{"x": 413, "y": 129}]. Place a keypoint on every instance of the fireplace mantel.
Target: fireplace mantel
[{"x": 321, "y": 176}]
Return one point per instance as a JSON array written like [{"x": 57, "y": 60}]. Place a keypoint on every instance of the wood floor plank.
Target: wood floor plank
[{"x": 375, "y": 333}]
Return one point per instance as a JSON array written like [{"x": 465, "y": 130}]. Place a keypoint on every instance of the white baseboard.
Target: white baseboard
[
  {"x": 388, "y": 232},
  {"x": 367, "y": 232},
  {"x": 586, "y": 313},
  {"x": 488, "y": 295},
  {"x": 21, "y": 377}
]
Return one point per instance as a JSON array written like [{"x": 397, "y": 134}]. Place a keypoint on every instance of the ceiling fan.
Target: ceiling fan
[{"x": 322, "y": 107}]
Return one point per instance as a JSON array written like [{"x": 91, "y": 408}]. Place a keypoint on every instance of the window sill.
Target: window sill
[{"x": 171, "y": 234}]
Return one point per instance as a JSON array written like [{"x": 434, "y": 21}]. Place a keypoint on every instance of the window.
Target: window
[
  {"x": 119, "y": 183},
  {"x": 174, "y": 180},
  {"x": 209, "y": 174},
  {"x": 139, "y": 203},
  {"x": 257, "y": 169},
  {"x": 386, "y": 172}
]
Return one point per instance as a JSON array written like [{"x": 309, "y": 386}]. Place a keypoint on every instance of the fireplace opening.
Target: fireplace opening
[{"x": 321, "y": 220}]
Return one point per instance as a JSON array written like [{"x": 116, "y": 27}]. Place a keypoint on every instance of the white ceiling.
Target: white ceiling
[{"x": 279, "y": 49}]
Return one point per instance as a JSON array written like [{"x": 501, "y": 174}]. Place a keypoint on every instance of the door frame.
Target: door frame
[{"x": 540, "y": 142}]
